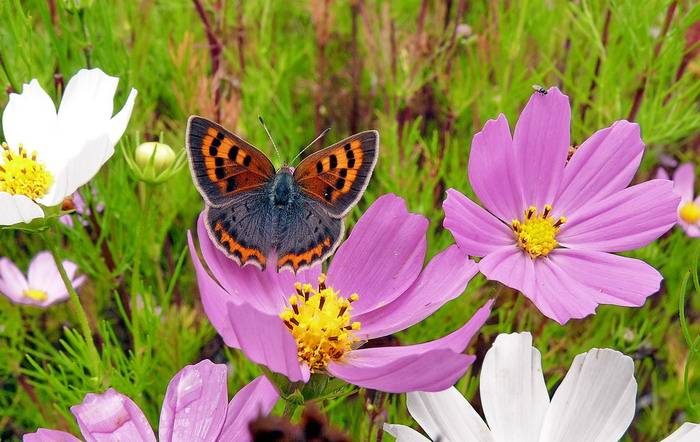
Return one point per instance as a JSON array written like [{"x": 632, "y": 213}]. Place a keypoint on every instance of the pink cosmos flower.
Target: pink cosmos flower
[
  {"x": 374, "y": 287},
  {"x": 194, "y": 409},
  {"x": 688, "y": 208},
  {"x": 42, "y": 286},
  {"x": 551, "y": 222}
]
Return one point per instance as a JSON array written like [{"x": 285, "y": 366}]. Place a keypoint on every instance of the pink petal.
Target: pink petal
[
  {"x": 266, "y": 290},
  {"x": 427, "y": 294},
  {"x": 412, "y": 367},
  {"x": 194, "y": 407},
  {"x": 692, "y": 230},
  {"x": 475, "y": 230},
  {"x": 493, "y": 173},
  {"x": 383, "y": 255},
  {"x": 684, "y": 181},
  {"x": 46, "y": 435},
  {"x": 214, "y": 299},
  {"x": 510, "y": 266},
  {"x": 542, "y": 143},
  {"x": 626, "y": 220},
  {"x": 254, "y": 400},
  {"x": 609, "y": 278},
  {"x": 604, "y": 164},
  {"x": 13, "y": 283},
  {"x": 661, "y": 174},
  {"x": 43, "y": 273},
  {"x": 264, "y": 339},
  {"x": 111, "y": 416}
]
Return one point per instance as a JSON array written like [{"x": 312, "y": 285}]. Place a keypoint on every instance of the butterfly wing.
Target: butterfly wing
[
  {"x": 223, "y": 164},
  {"x": 306, "y": 235},
  {"x": 244, "y": 229},
  {"x": 338, "y": 175}
]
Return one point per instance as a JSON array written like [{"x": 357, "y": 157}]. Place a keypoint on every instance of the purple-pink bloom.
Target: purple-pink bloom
[
  {"x": 550, "y": 223},
  {"x": 374, "y": 287},
  {"x": 194, "y": 409},
  {"x": 42, "y": 286},
  {"x": 689, "y": 207}
]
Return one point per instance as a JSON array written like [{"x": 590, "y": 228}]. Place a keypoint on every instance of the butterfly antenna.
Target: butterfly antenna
[
  {"x": 270, "y": 136},
  {"x": 311, "y": 143}
]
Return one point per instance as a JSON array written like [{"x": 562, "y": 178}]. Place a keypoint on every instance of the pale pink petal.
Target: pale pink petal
[
  {"x": 685, "y": 433},
  {"x": 254, "y": 400},
  {"x": 510, "y": 266},
  {"x": 447, "y": 415},
  {"x": 382, "y": 256},
  {"x": 13, "y": 283},
  {"x": 604, "y": 164},
  {"x": 30, "y": 119},
  {"x": 46, "y": 435},
  {"x": 493, "y": 173},
  {"x": 512, "y": 389},
  {"x": 43, "y": 273},
  {"x": 692, "y": 230},
  {"x": 661, "y": 174},
  {"x": 214, "y": 299},
  {"x": 264, "y": 339},
  {"x": 475, "y": 230},
  {"x": 194, "y": 407},
  {"x": 609, "y": 278},
  {"x": 111, "y": 416},
  {"x": 403, "y": 433},
  {"x": 542, "y": 143},
  {"x": 684, "y": 182},
  {"x": 595, "y": 401},
  {"x": 427, "y": 294},
  {"x": 17, "y": 209},
  {"x": 626, "y": 220},
  {"x": 265, "y": 290}
]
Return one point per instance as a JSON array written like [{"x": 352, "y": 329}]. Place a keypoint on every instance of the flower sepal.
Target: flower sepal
[{"x": 319, "y": 387}]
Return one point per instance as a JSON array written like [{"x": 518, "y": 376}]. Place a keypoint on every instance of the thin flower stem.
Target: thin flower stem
[
  {"x": 87, "y": 50},
  {"x": 75, "y": 300}
]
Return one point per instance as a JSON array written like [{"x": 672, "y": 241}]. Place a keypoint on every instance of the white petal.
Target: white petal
[
  {"x": 17, "y": 209},
  {"x": 30, "y": 119},
  {"x": 595, "y": 401},
  {"x": 447, "y": 415},
  {"x": 686, "y": 433},
  {"x": 403, "y": 433},
  {"x": 512, "y": 388},
  {"x": 117, "y": 125}
]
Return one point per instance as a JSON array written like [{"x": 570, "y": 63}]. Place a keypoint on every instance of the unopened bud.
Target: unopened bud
[{"x": 157, "y": 155}]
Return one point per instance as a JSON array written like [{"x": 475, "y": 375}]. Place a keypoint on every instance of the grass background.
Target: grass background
[{"x": 427, "y": 74}]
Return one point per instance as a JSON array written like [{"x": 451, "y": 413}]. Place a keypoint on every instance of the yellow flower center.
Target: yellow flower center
[
  {"x": 35, "y": 294},
  {"x": 690, "y": 213},
  {"x": 536, "y": 234},
  {"x": 320, "y": 323},
  {"x": 22, "y": 174}
]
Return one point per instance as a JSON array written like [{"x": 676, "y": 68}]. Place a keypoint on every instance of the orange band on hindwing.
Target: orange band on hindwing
[
  {"x": 304, "y": 258},
  {"x": 244, "y": 254}
]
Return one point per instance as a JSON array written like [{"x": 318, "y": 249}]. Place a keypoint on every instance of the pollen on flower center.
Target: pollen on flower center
[
  {"x": 22, "y": 174},
  {"x": 320, "y": 323},
  {"x": 536, "y": 234},
  {"x": 690, "y": 213},
  {"x": 35, "y": 294}
]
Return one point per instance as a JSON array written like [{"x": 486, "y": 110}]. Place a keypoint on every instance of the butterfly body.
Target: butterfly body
[{"x": 292, "y": 218}]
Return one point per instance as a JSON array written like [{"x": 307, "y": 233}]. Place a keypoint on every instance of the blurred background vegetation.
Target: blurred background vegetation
[{"x": 427, "y": 74}]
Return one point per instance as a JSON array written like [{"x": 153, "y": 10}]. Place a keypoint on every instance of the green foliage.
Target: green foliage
[{"x": 364, "y": 64}]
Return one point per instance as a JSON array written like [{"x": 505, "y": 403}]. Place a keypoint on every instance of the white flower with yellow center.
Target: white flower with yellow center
[{"x": 47, "y": 154}]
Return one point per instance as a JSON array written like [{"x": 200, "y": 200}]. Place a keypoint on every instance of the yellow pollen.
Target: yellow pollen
[
  {"x": 536, "y": 233},
  {"x": 22, "y": 174},
  {"x": 690, "y": 213},
  {"x": 320, "y": 323},
  {"x": 35, "y": 294}
]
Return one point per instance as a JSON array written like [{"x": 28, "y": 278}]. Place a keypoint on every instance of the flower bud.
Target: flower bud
[{"x": 157, "y": 155}]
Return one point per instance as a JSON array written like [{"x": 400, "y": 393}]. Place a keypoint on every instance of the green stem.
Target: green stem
[
  {"x": 87, "y": 49},
  {"x": 75, "y": 300}
]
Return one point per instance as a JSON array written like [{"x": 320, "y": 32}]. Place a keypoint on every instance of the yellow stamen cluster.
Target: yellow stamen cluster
[
  {"x": 536, "y": 234},
  {"x": 320, "y": 323},
  {"x": 690, "y": 213},
  {"x": 22, "y": 174},
  {"x": 35, "y": 294}
]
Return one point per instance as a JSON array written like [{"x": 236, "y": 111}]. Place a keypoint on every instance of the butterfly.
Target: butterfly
[{"x": 253, "y": 210}]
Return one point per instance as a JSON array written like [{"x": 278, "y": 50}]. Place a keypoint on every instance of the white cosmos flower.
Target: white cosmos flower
[
  {"x": 47, "y": 154},
  {"x": 594, "y": 402}
]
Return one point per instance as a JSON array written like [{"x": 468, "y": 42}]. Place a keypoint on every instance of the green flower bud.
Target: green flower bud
[{"x": 154, "y": 162}]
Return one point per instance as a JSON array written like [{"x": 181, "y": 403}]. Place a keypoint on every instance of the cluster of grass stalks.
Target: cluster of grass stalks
[{"x": 427, "y": 75}]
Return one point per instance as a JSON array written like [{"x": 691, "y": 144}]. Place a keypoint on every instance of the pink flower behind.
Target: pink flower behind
[
  {"x": 42, "y": 286},
  {"x": 194, "y": 409},
  {"x": 551, "y": 222},
  {"x": 374, "y": 287},
  {"x": 689, "y": 207}
]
